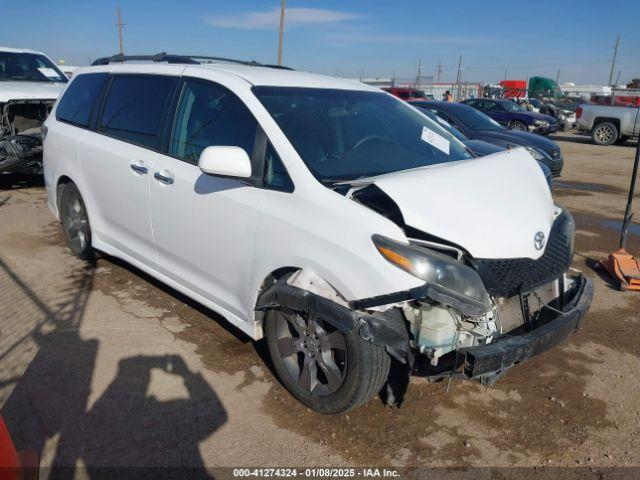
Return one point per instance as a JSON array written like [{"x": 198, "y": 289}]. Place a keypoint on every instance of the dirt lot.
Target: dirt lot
[{"x": 102, "y": 365}]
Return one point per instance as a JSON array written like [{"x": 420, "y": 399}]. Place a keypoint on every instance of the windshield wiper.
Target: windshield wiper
[{"x": 334, "y": 183}]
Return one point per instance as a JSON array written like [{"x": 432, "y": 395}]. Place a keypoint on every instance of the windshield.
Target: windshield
[
  {"x": 513, "y": 107},
  {"x": 444, "y": 124},
  {"x": 474, "y": 119},
  {"x": 30, "y": 67},
  {"x": 345, "y": 134}
]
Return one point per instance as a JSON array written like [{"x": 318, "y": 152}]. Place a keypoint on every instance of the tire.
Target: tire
[
  {"x": 605, "y": 133},
  {"x": 517, "y": 125},
  {"x": 359, "y": 368},
  {"x": 75, "y": 222}
]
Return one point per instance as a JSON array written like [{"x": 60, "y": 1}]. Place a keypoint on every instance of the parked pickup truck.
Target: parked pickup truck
[{"x": 608, "y": 124}]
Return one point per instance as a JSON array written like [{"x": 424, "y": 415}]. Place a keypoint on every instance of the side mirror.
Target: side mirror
[{"x": 225, "y": 162}]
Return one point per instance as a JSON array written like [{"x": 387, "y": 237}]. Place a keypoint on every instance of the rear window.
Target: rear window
[
  {"x": 134, "y": 108},
  {"x": 78, "y": 100}
]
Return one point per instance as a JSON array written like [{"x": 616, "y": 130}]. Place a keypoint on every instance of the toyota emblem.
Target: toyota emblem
[{"x": 539, "y": 241}]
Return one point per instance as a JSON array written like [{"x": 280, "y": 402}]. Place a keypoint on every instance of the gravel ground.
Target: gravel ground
[{"x": 100, "y": 365}]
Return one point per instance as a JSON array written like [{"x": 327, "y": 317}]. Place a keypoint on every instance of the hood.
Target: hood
[
  {"x": 16, "y": 90},
  {"x": 515, "y": 137},
  {"x": 491, "y": 206}
]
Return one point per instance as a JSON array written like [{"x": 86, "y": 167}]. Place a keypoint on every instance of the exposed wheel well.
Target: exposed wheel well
[
  {"x": 62, "y": 181},
  {"x": 269, "y": 280},
  {"x": 615, "y": 121}
]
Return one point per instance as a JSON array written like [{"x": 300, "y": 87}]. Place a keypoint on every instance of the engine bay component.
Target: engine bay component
[
  {"x": 20, "y": 135},
  {"x": 21, "y": 153},
  {"x": 437, "y": 330}
]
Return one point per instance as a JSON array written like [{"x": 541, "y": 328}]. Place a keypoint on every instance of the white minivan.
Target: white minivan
[{"x": 362, "y": 240}]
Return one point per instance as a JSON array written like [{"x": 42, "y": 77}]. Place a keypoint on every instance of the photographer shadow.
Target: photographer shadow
[
  {"x": 128, "y": 430},
  {"x": 147, "y": 423}
]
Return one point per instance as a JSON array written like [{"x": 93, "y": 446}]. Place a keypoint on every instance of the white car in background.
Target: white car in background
[
  {"x": 30, "y": 83},
  {"x": 353, "y": 232}
]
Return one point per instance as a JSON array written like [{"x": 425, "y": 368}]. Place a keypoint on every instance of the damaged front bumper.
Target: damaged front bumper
[
  {"x": 21, "y": 153},
  {"x": 485, "y": 363}
]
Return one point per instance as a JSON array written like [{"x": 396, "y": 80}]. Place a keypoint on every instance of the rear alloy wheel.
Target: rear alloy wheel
[
  {"x": 605, "y": 133},
  {"x": 519, "y": 126},
  {"x": 327, "y": 370},
  {"x": 75, "y": 222}
]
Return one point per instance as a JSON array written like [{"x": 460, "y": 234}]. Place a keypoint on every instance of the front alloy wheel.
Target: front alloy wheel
[
  {"x": 326, "y": 369},
  {"x": 314, "y": 353},
  {"x": 518, "y": 126}
]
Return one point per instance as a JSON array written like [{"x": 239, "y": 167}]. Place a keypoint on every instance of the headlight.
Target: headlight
[
  {"x": 450, "y": 279},
  {"x": 535, "y": 153},
  {"x": 541, "y": 123}
]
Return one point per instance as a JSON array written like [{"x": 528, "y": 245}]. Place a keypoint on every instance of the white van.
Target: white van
[{"x": 353, "y": 232}]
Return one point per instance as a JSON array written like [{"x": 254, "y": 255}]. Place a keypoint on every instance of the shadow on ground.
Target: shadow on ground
[
  {"x": 16, "y": 181},
  {"x": 48, "y": 412}
]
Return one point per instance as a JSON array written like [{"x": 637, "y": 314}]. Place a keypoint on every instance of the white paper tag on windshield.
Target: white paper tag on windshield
[
  {"x": 49, "y": 72},
  {"x": 432, "y": 138}
]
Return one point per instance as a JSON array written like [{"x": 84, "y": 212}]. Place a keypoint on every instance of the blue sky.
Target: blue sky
[{"x": 348, "y": 36}]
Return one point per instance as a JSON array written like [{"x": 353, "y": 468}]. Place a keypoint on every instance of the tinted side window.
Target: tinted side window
[
  {"x": 78, "y": 100},
  {"x": 134, "y": 107},
  {"x": 443, "y": 116},
  {"x": 209, "y": 114}
]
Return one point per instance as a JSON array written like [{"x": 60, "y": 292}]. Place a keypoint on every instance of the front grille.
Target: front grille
[
  {"x": 556, "y": 168},
  {"x": 508, "y": 277}
]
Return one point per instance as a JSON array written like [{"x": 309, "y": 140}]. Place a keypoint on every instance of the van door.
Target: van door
[
  {"x": 204, "y": 226},
  {"x": 118, "y": 159}
]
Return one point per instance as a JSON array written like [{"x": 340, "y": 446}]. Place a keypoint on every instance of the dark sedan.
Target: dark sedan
[
  {"x": 475, "y": 125},
  {"x": 514, "y": 117},
  {"x": 480, "y": 148}
]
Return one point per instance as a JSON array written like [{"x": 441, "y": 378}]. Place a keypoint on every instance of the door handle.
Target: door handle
[
  {"x": 138, "y": 168},
  {"x": 163, "y": 178}
]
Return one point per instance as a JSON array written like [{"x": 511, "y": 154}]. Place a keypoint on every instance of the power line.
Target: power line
[
  {"x": 458, "y": 76},
  {"x": 120, "y": 25},
  {"x": 613, "y": 61},
  {"x": 281, "y": 33}
]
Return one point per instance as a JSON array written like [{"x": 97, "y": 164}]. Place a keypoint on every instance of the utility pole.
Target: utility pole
[
  {"x": 558, "y": 78},
  {"x": 613, "y": 61},
  {"x": 439, "y": 71},
  {"x": 458, "y": 77},
  {"x": 506, "y": 72},
  {"x": 419, "y": 71},
  {"x": 281, "y": 34},
  {"x": 120, "y": 25}
]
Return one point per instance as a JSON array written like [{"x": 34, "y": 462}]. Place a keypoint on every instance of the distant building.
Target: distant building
[{"x": 585, "y": 91}]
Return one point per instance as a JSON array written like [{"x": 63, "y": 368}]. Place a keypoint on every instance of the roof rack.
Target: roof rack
[{"x": 188, "y": 59}]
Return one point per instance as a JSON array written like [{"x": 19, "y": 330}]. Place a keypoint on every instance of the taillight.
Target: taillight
[{"x": 578, "y": 112}]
